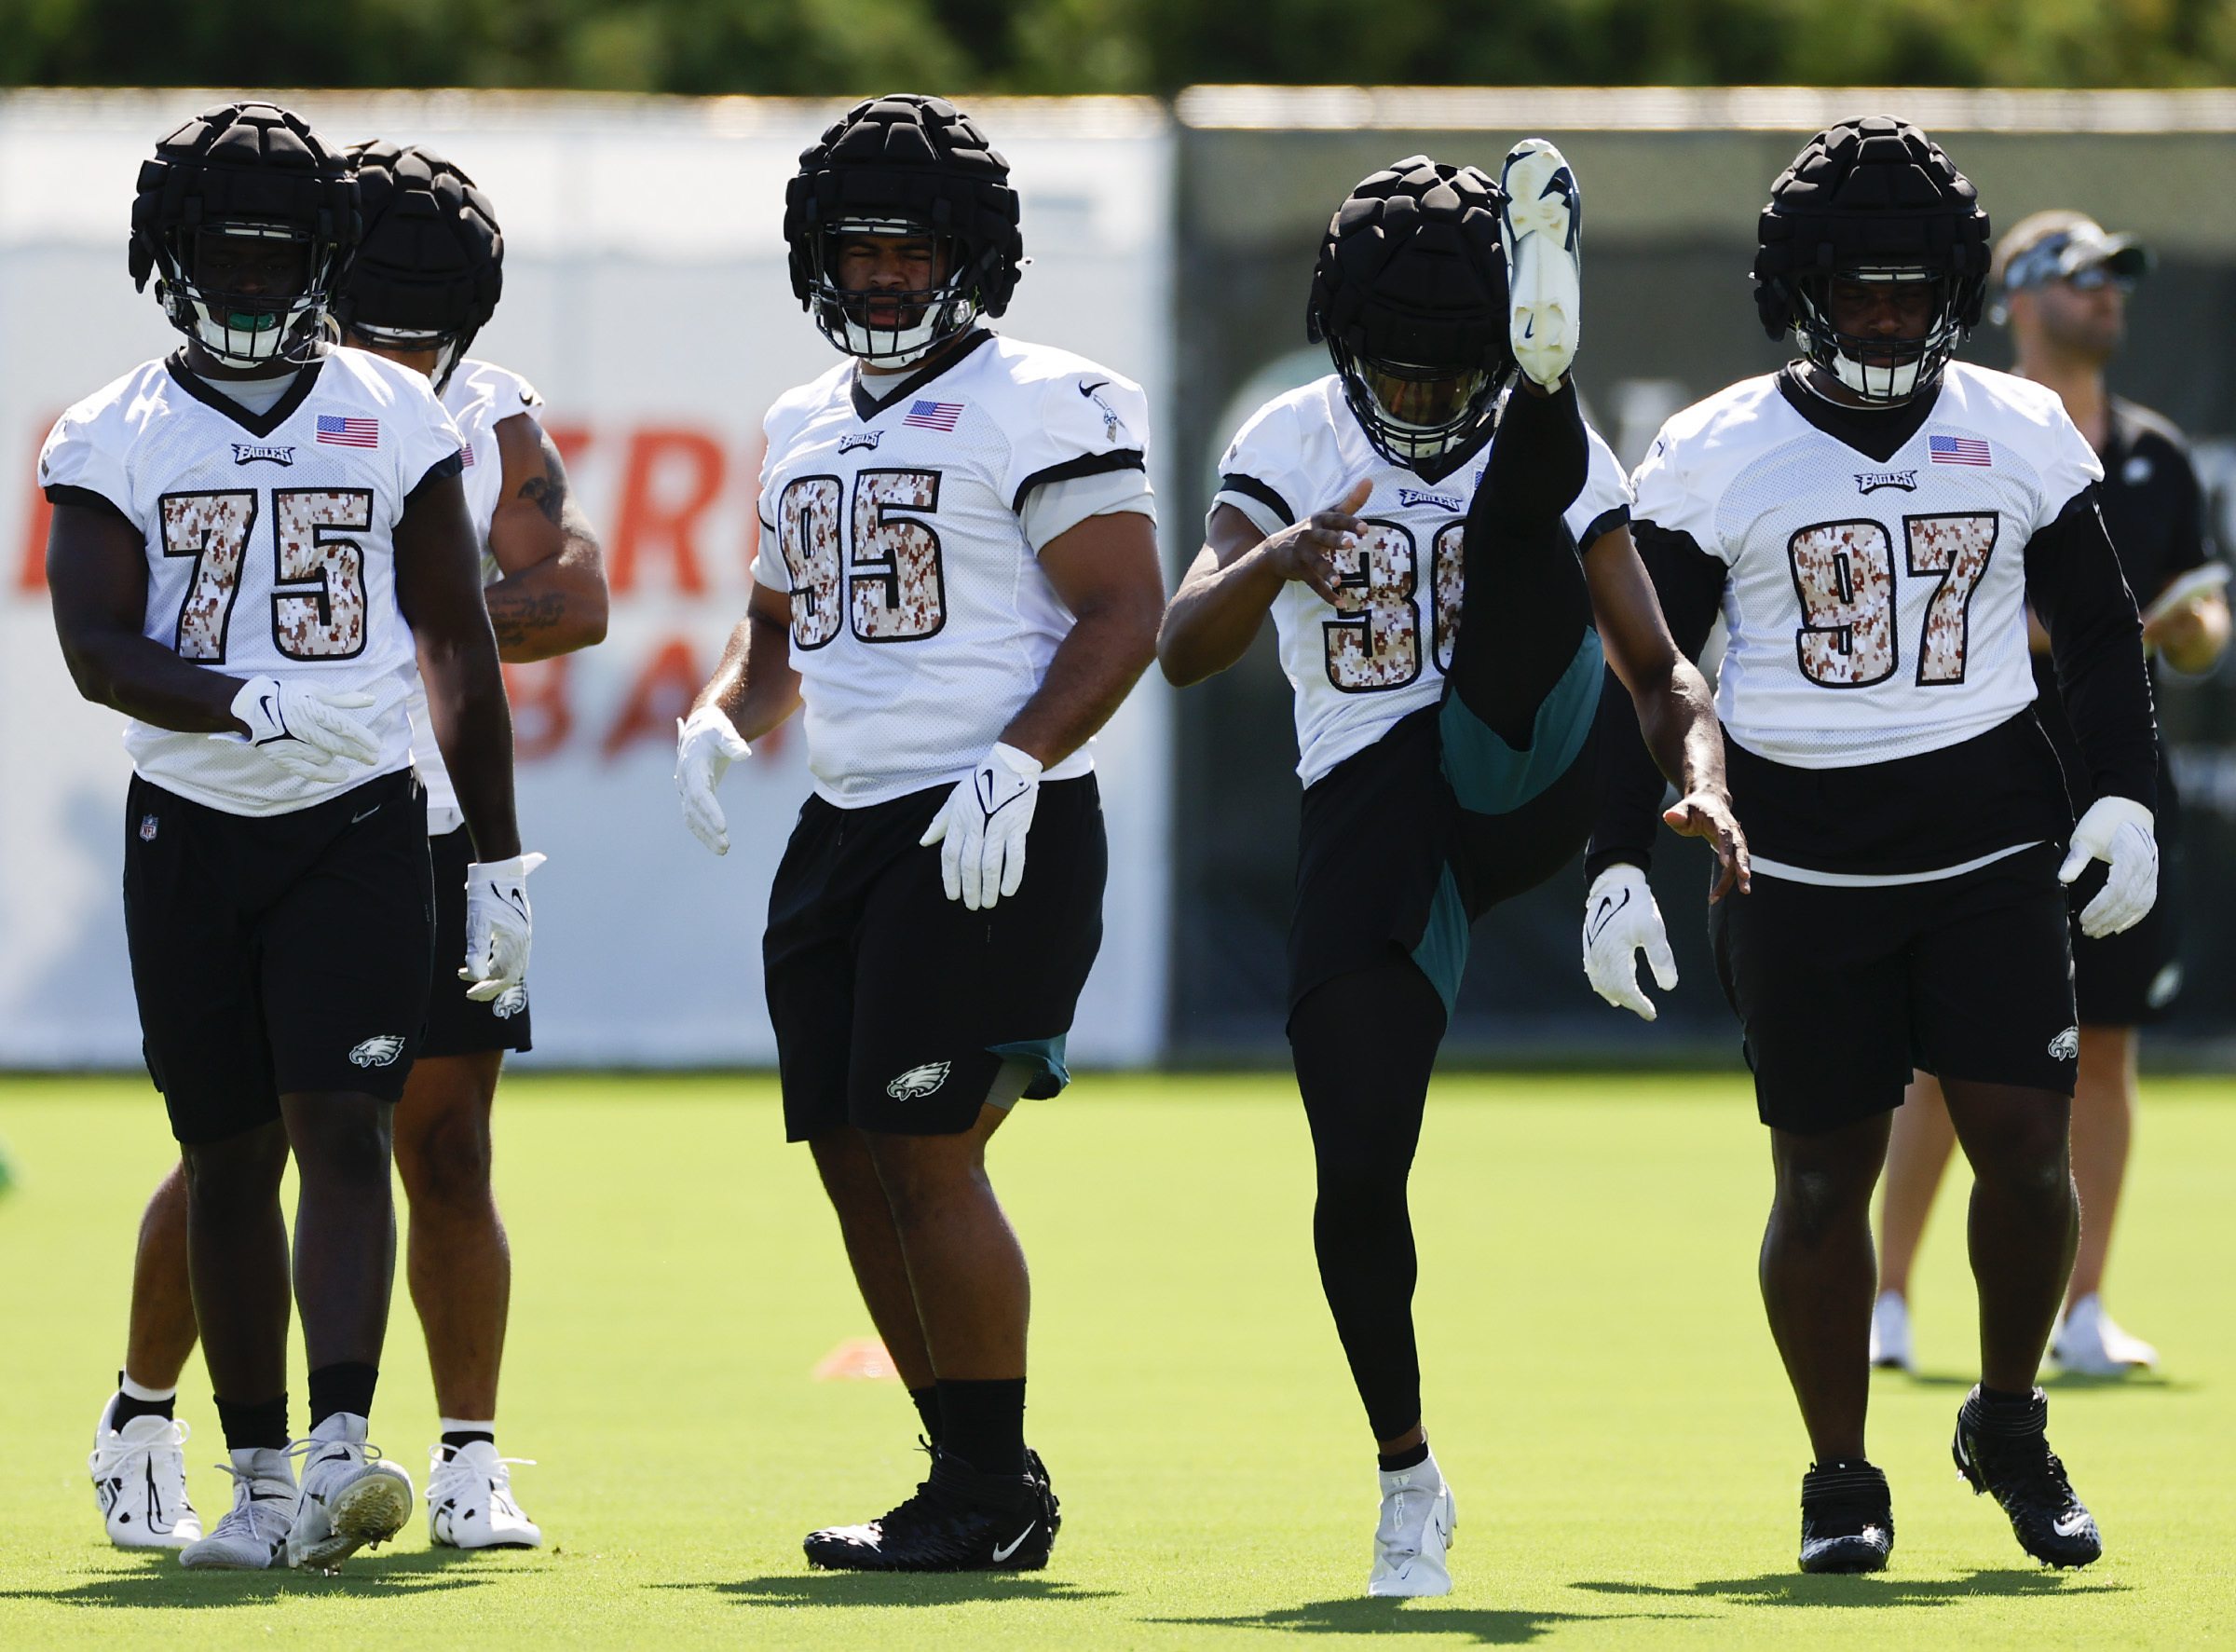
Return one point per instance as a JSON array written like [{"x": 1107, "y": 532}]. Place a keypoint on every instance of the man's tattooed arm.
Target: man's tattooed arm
[{"x": 552, "y": 599}]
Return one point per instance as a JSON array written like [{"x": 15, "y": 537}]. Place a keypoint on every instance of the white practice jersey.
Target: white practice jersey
[
  {"x": 901, "y": 524},
  {"x": 1876, "y": 610},
  {"x": 269, "y": 547},
  {"x": 479, "y": 397},
  {"x": 1382, "y": 654}
]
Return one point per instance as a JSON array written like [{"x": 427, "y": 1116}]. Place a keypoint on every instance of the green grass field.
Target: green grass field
[{"x": 1599, "y": 1385}]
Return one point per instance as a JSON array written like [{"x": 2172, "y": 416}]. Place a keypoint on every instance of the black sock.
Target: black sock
[
  {"x": 456, "y": 1440},
  {"x": 1997, "y": 1397},
  {"x": 1412, "y": 1456},
  {"x": 344, "y": 1387},
  {"x": 128, "y": 1408},
  {"x": 927, "y": 1399},
  {"x": 260, "y": 1425},
  {"x": 985, "y": 1423}
]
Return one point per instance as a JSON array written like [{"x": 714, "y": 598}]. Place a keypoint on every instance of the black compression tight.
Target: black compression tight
[
  {"x": 1365, "y": 1045},
  {"x": 1526, "y": 604}
]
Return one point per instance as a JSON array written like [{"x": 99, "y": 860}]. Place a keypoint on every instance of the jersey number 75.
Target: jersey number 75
[{"x": 323, "y": 618}]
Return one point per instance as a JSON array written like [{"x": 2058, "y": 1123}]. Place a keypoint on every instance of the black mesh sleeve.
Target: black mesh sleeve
[
  {"x": 1690, "y": 585},
  {"x": 2074, "y": 582}
]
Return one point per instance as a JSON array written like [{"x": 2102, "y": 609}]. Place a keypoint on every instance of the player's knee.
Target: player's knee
[
  {"x": 344, "y": 1146},
  {"x": 1817, "y": 1202},
  {"x": 448, "y": 1163}
]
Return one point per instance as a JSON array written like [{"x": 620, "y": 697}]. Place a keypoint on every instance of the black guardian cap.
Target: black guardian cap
[
  {"x": 1409, "y": 296},
  {"x": 431, "y": 268},
  {"x": 904, "y": 165},
  {"x": 1872, "y": 200},
  {"x": 250, "y": 172}
]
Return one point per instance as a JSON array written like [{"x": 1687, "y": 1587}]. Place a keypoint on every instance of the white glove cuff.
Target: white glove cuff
[
  {"x": 1024, "y": 765},
  {"x": 707, "y": 720},
  {"x": 2107, "y": 814},
  {"x": 505, "y": 872},
  {"x": 257, "y": 705},
  {"x": 1621, "y": 875}
]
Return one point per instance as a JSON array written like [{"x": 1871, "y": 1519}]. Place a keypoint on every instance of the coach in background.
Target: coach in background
[{"x": 2063, "y": 285}]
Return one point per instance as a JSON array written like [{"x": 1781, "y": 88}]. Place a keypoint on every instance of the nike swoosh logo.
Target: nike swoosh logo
[
  {"x": 367, "y": 815},
  {"x": 1003, "y": 1552},
  {"x": 1088, "y": 389},
  {"x": 2065, "y": 1526},
  {"x": 1608, "y": 906}
]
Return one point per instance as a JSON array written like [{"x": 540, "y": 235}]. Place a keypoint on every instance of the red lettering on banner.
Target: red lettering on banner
[
  {"x": 663, "y": 692},
  {"x": 541, "y": 719},
  {"x": 656, "y": 511}
]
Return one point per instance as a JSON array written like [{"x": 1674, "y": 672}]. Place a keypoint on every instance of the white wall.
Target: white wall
[{"x": 646, "y": 295}]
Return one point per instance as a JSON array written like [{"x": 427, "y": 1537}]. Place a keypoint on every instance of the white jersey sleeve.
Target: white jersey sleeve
[
  {"x": 480, "y": 396},
  {"x": 270, "y": 546}
]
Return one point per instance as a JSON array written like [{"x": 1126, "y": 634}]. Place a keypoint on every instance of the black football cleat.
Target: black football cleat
[
  {"x": 2005, "y": 1452},
  {"x": 959, "y": 1520},
  {"x": 1847, "y": 1518}
]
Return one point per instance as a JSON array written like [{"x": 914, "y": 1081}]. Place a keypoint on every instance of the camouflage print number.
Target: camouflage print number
[
  {"x": 212, "y": 529},
  {"x": 1844, "y": 574},
  {"x": 1375, "y": 644},
  {"x": 894, "y": 589},
  {"x": 1448, "y": 579},
  {"x": 807, "y": 531},
  {"x": 311, "y": 526},
  {"x": 1956, "y": 548}
]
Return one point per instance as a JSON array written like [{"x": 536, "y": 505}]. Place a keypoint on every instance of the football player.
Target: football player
[
  {"x": 250, "y": 539},
  {"x": 425, "y": 279},
  {"x": 2063, "y": 285},
  {"x": 957, "y": 578},
  {"x": 1872, "y": 522},
  {"x": 1443, "y": 576}
]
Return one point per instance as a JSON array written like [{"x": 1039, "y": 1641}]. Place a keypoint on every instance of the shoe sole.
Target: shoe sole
[
  {"x": 371, "y": 1511},
  {"x": 1543, "y": 279},
  {"x": 214, "y": 1564},
  {"x": 1846, "y": 1557}
]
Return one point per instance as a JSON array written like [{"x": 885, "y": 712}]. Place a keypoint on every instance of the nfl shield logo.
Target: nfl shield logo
[{"x": 147, "y": 828}]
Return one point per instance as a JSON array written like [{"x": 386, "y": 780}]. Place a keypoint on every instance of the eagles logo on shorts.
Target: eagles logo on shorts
[
  {"x": 379, "y": 1051},
  {"x": 918, "y": 1081}
]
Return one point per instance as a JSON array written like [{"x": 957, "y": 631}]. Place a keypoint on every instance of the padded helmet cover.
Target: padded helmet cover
[
  {"x": 1870, "y": 194},
  {"x": 249, "y": 161},
  {"x": 432, "y": 257},
  {"x": 1411, "y": 270},
  {"x": 904, "y": 156}
]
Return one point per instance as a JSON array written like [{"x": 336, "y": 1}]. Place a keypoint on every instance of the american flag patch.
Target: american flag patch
[
  {"x": 466, "y": 455},
  {"x": 934, "y": 415},
  {"x": 348, "y": 433},
  {"x": 1958, "y": 450}
]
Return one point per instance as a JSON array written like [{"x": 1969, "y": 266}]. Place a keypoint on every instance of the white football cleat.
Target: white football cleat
[
  {"x": 2090, "y": 1343},
  {"x": 351, "y": 1495},
  {"x": 470, "y": 1500},
  {"x": 1890, "y": 1333},
  {"x": 1542, "y": 228},
  {"x": 140, "y": 1479},
  {"x": 1415, "y": 1528},
  {"x": 252, "y": 1535}
]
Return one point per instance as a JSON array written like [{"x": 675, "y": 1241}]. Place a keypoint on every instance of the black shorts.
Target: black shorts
[
  {"x": 1841, "y": 992},
  {"x": 2132, "y": 978},
  {"x": 456, "y": 1025},
  {"x": 894, "y": 1006},
  {"x": 1388, "y": 860},
  {"x": 277, "y": 954}
]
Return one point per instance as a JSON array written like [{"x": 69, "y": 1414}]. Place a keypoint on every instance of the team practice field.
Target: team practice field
[{"x": 1602, "y": 1390}]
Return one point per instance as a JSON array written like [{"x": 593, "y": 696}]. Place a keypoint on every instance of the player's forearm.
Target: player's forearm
[
  {"x": 1214, "y": 618},
  {"x": 1093, "y": 670},
  {"x": 1678, "y": 720},
  {"x": 554, "y": 607},
  {"x": 754, "y": 687},
  {"x": 144, "y": 679},
  {"x": 473, "y": 728}
]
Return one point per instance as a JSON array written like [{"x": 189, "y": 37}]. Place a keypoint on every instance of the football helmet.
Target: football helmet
[
  {"x": 430, "y": 265},
  {"x": 903, "y": 165},
  {"x": 1409, "y": 296},
  {"x": 1872, "y": 200},
  {"x": 246, "y": 171}
]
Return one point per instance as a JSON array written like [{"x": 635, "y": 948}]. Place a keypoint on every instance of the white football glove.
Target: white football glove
[
  {"x": 981, "y": 828},
  {"x": 706, "y": 744},
  {"x": 2117, "y": 830},
  {"x": 1620, "y": 917},
  {"x": 499, "y": 929},
  {"x": 312, "y": 733}
]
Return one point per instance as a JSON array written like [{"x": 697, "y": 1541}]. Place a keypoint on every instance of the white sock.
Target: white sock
[
  {"x": 145, "y": 1395},
  {"x": 463, "y": 1426},
  {"x": 265, "y": 1462}
]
